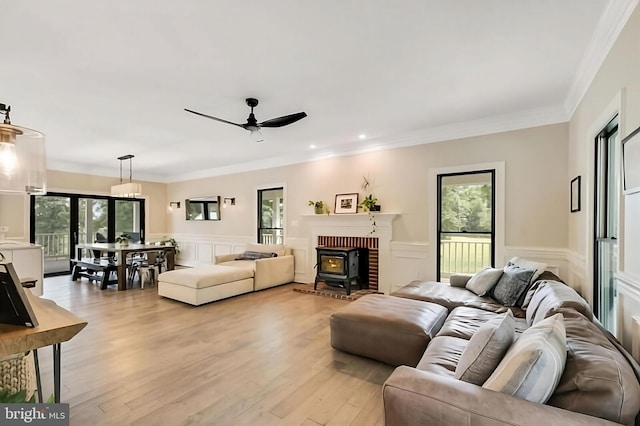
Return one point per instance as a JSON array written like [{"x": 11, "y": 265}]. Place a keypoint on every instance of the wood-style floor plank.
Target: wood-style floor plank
[{"x": 262, "y": 358}]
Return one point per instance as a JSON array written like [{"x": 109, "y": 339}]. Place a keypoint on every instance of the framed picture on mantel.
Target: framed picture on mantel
[{"x": 346, "y": 203}]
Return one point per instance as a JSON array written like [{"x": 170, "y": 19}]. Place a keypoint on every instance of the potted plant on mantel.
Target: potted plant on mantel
[
  {"x": 318, "y": 206},
  {"x": 369, "y": 204}
]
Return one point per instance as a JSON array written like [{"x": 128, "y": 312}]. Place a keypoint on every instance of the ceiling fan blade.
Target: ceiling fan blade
[
  {"x": 213, "y": 118},
  {"x": 284, "y": 120}
]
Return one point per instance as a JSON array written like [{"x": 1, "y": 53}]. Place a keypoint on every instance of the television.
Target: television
[{"x": 14, "y": 304}]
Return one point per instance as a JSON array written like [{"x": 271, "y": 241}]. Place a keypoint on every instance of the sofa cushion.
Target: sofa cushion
[
  {"x": 595, "y": 371},
  {"x": 483, "y": 281},
  {"x": 486, "y": 349},
  {"x": 513, "y": 283},
  {"x": 278, "y": 249},
  {"x": 547, "y": 297},
  {"x": 442, "y": 355},
  {"x": 253, "y": 255},
  {"x": 205, "y": 276},
  {"x": 532, "y": 367},
  {"x": 451, "y": 297}
]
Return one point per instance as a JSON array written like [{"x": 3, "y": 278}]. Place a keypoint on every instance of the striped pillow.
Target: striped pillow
[{"x": 532, "y": 367}]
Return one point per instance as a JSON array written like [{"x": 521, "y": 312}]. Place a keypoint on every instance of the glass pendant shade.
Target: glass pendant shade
[
  {"x": 23, "y": 165},
  {"x": 126, "y": 190}
]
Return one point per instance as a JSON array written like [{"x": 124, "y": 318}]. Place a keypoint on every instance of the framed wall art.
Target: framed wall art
[
  {"x": 346, "y": 203},
  {"x": 631, "y": 162},
  {"x": 575, "y": 194}
]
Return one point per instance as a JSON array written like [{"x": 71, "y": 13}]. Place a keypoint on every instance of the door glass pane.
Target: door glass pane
[
  {"x": 466, "y": 223},
  {"x": 52, "y": 230},
  {"x": 128, "y": 219},
  {"x": 271, "y": 216},
  {"x": 92, "y": 220}
]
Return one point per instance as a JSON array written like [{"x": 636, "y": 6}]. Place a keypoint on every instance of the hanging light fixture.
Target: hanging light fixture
[
  {"x": 129, "y": 189},
  {"x": 23, "y": 166}
]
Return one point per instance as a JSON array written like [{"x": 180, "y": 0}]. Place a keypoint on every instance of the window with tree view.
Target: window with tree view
[{"x": 465, "y": 222}]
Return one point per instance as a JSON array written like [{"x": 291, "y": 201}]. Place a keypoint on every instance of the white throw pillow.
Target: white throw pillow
[
  {"x": 538, "y": 267},
  {"x": 485, "y": 349},
  {"x": 484, "y": 280},
  {"x": 532, "y": 367}
]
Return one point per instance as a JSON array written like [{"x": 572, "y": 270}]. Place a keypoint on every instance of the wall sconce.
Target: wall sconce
[
  {"x": 174, "y": 204},
  {"x": 229, "y": 201}
]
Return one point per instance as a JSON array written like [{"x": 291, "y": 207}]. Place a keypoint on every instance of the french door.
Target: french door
[
  {"x": 60, "y": 221},
  {"x": 606, "y": 213},
  {"x": 466, "y": 222}
]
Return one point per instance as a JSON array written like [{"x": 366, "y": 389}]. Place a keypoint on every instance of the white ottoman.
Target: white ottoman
[{"x": 204, "y": 284}]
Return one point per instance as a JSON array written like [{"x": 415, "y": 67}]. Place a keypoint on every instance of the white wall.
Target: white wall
[{"x": 616, "y": 88}]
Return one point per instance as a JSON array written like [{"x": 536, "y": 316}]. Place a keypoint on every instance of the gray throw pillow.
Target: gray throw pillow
[
  {"x": 254, "y": 255},
  {"x": 484, "y": 281},
  {"x": 485, "y": 349},
  {"x": 513, "y": 283}
]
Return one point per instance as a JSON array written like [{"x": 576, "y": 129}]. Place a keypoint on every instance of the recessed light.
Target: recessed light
[
  {"x": 312, "y": 147},
  {"x": 362, "y": 136}
]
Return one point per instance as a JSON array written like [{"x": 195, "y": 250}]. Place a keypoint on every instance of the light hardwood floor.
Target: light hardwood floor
[{"x": 258, "y": 359}]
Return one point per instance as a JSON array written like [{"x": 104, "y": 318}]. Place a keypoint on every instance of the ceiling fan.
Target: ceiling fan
[{"x": 252, "y": 124}]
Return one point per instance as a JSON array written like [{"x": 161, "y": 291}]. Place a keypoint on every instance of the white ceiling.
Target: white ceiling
[{"x": 106, "y": 78}]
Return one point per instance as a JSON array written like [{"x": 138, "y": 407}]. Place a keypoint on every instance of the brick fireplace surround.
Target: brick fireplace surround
[
  {"x": 370, "y": 243},
  {"x": 354, "y": 230}
]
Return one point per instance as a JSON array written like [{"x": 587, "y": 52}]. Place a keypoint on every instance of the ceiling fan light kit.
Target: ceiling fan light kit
[{"x": 252, "y": 124}]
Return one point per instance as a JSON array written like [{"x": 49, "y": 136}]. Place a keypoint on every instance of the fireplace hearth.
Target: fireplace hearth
[{"x": 341, "y": 266}]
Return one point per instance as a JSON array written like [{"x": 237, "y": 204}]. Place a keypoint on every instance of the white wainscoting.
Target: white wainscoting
[
  {"x": 202, "y": 249},
  {"x": 409, "y": 262},
  {"x": 628, "y": 305}
]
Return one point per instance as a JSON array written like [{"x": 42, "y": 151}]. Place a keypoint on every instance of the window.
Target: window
[
  {"x": 271, "y": 216},
  {"x": 466, "y": 222}
]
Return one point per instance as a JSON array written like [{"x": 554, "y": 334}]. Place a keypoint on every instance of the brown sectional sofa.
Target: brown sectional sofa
[{"x": 598, "y": 386}]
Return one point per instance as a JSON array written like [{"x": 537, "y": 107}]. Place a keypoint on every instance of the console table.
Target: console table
[{"x": 55, "y": 325}]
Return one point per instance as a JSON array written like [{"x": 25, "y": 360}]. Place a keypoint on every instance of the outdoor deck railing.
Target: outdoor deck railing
[
  {"x": 467, "y": 257},
  {"x": 55, "y": 246}
]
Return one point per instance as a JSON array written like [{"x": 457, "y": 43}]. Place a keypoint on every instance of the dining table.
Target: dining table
[{"x": 121, "y": 251}]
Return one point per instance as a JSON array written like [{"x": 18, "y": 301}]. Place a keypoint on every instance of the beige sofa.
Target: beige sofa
[
  {"x": 599, "y": 383},
  {"x": 260, "y": 266},
  {"x": 269, "y": 271}
]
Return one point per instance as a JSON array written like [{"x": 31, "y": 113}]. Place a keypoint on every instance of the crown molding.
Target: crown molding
[{"x": 613, "y": 20}]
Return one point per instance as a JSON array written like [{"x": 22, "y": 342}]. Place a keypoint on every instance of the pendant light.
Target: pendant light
[
  {"x": 129, "y": 189},
  {"x": 23, "y": 166}
]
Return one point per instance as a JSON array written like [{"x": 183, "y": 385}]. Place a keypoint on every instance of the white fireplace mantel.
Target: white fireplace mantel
[{"x": 356, "y": 225}]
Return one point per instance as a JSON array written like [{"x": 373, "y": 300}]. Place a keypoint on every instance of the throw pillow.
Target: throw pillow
[
  {"x": 485, "y": 349},
  {"x": 484, "y": 281},
  {"x": 532, "y": 367},
  {"x": 254, "y": 255},
  {"x": 513, "y": 283},
  {"x": 538, "y": 267}
]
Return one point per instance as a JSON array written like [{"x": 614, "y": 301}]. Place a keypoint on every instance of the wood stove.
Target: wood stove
[{"x": 338, "y": 267}]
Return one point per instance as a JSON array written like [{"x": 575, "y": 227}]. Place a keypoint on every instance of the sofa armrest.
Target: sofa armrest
[
  {"x": 415, "y": 397},
  {"x": 273, "y": 271},
  {"x": 226, "y": 257},
  {"x": 459, "y": 280}
]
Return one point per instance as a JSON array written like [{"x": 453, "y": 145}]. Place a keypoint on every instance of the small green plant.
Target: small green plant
[
  {"x": 319, "y": 207},
  {"x": 7, "y": 397},
  {"x": 369, "y": 202},
  {"x": 170, "y": 241},
  {"x": 122, "y": 238}
]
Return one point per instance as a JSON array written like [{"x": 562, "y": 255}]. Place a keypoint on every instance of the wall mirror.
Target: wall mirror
[{"x": 203, "y": 208}]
